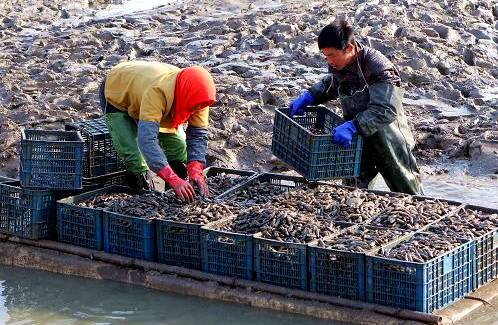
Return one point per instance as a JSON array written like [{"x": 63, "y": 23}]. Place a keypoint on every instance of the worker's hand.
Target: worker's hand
[
  {"x": 194, "y": 170},
  {"x": 182, "y": 188},
  {"x": 343, "y": 134},
  {"x": 298, "y": 105}
]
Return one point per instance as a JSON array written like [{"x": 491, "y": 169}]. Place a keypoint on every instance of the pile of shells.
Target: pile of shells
[
  {"x": 165, "y": 206},
  {"x": 421, "y": 248},
  {"x": 282, "y": 223},
  {"x": 409, "y": 213},
  {"x": 257, "y": 193},
  {"x": 467, "y": 223},
  {"x": 361, "y": 239},
  {"x": 220, "y": 183},
  {"x": 332, "y": 203}
]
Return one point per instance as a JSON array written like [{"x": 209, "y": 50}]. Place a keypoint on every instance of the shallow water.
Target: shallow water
[{"x": 29, "y": 297}]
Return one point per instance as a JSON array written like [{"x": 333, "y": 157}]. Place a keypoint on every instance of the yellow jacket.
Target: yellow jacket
[{"x": 146, "y": 90}]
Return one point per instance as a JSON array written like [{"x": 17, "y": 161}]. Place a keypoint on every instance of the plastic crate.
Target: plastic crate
[
  {"x": 280, "y": 180},
  {"x": 422, "y": 287},
  {"x": 82, "y": 226},
  {"x": 280, "y": 263},
  {"x": 179, "y": 244},
  {"x": 26, "y": 212},
  {"x": 117, "y": 178},
  {"x": 340, "y": 273},
  {"x": 100, "y": 157},
  {"x": 315, "y": 157},
  {"x": 129, "y": 236},
  {"x": 226, "y": 253},
  {"x": 51, "y": 159},
  {"x": 214, "y": 171},
  {"x": 4, "y": 179},
  {"x": 486, "y": 257}
]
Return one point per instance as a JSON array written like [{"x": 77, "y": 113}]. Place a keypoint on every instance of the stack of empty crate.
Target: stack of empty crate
[
  {"x": 56, "y": 164},
  {"x": 50, "y": 165}
]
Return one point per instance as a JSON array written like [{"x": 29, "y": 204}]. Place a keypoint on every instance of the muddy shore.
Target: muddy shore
[{"x": 261, "y": 55}]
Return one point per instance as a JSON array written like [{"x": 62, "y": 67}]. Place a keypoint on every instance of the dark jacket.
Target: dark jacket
[{"x": 384, "y": 87}]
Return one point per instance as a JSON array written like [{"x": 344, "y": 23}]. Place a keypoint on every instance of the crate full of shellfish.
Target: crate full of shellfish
[
  {"x": 304, "y": 142},
  {"x": 79, "y": 217},
  {"x": 24, "y": 212},
  {"x": 179, "y": 231},
  {"x": 423, "y": 272},
  {"x": 222, "y": 179},
  {"x": 337, "y": 263},
  {"x": 227, "y": 248},
  {"x": 262, "y": 188},
  {"x": 51, "y": 159},
  {"x": 100, "y": 157},
  {"x": 480, "y": 225}
]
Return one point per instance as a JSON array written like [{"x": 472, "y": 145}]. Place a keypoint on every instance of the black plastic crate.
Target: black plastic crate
[
  {"x": 240, "y": 176},
  {"x": 117, "y": 178},
  {"x": 51, "y": 159},
  {"x": 280, "y": 263},
  {"x": 82, "y": 226},
  {"x": 338, "y": 272},
  {"x": 226, "y": 253},
  {"x": 314, "y": 156},
  {"x": 179, "y": 244},
  {"x": 422, "y": 287},
  {"x": 100, "y": 157},
  {"x": 27, "y": 213},
  {"x": 129, "y": 236},
  {"x": 281, "y": 181}
]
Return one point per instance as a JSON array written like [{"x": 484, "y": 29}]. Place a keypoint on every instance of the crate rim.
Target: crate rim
[
  {"x": 309, "y": 108},
  {"x": 111, "y": 188},
  {"x": 78, "y": 135},
  {"x": 422, "y": 264},
  {"x": 207, "y": 227},
  {"x": 313, "y": 244}
]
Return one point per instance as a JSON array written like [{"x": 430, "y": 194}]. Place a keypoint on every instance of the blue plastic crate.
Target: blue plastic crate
[
  {"x": 422, "y": 287},
  {"x": 179, "y": 244},
  {"x": 486, "y": 257},
  {"x": 226, "y": 253},
  {"x": 280, "y": 263},
  {"x": 279, "y": 180},
  {"x": 51, "y": 159},
  {"x": 26, "y": 212},
  {"x": 314, "y": 156},
  {"x": 340, "y": 273},
  {"x": 83, "y": 226},
  {"x": 100, "y": 157},
  {"x": 129, "y": 236},
  {"x": 4, "y": 179}
]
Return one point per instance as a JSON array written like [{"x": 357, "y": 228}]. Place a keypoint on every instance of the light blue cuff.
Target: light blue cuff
[
  {"x": 197, "y": 140},
  {"x": 149, "y": 145}
]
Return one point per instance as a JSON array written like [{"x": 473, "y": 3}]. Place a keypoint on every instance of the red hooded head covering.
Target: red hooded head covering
[{"x": 194, "y": 86}]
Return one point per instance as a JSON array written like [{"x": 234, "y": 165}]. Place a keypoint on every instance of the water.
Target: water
[
  {"x": 29, "y": 297},
  {"x": 482, "y": 191}
]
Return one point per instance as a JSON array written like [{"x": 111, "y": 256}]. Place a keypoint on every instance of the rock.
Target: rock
[
  {"x": 417, "y": 64},
  {"x": 65, "y": 14},
  {"x": 268, "y": 98},
  {"x": 469, "y": 56},
  {"x": 495, "y": 10},
  {"x": 443, "y": 67},
  {"x": 446, "y": 32},
  {"x": 480, "y": 34},
  {"x": 430, "y": 32}
]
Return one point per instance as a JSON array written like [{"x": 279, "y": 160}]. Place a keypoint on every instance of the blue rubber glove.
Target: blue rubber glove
[
  {"x": 298, "y": 105},
  {"x": 343, "y": 134}
]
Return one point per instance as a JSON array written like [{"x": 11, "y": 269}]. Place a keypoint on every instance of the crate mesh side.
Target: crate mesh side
[{"x": 179, "y": 244}]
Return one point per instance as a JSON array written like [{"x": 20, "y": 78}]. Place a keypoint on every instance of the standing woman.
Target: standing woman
[{"x": 145, "y": 105}]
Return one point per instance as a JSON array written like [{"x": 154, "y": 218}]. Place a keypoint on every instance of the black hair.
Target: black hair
[{"x": 337, "y": 34}]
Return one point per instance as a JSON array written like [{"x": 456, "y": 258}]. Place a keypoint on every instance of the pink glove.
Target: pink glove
[
  {"x": 194, "y": 170},
  {"x": 182, "y": 188}
]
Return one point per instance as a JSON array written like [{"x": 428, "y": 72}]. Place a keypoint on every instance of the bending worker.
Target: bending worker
[
  {"x": 368, "y": 87},
  {"x": 145, "y": 105}
]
